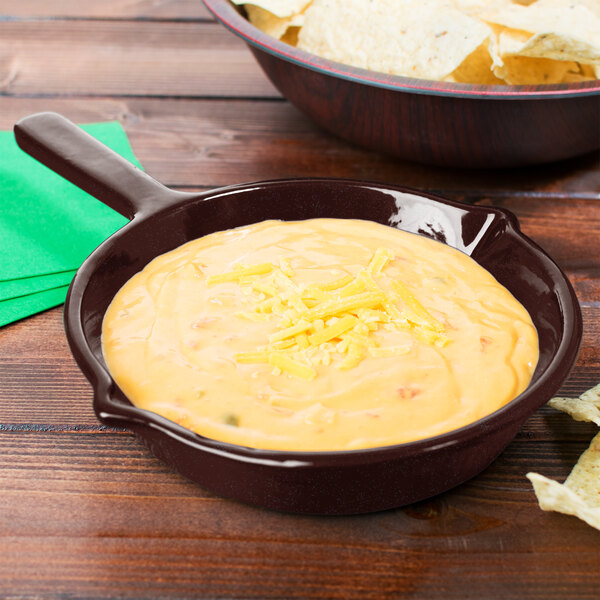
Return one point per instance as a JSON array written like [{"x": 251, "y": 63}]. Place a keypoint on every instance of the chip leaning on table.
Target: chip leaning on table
[{"x": 579, "y": 495}]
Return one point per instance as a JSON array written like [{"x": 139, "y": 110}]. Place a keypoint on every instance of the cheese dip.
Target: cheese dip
[{"x": 325, "y": 334}]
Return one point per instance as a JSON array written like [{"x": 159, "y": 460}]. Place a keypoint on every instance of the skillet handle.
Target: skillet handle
[{"x": 78, "y": 157}]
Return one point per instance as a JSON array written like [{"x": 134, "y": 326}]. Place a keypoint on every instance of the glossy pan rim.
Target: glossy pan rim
[{"x": 226, "y": 14}]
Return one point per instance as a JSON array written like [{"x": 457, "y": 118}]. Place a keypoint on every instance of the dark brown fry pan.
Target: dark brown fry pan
[{"x": 308, "y": 482}]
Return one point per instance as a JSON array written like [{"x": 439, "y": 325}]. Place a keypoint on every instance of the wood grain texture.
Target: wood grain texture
[
  {"x": 107, "y": 9},
  {"x": 165, "y": 536},
  {"x": 204, "y": 143},
  {"x": 86, "y": 512},
  {"x": 126, "y": 58},
  {"x": 567, "y": 228}
]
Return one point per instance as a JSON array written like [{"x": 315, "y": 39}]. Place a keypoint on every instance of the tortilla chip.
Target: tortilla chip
[
  {"x": 554, "y": 496},
  {"x": 279, "y": 8},
  {"x": 578, "y": 76},
  {"x": 515, "y": 68},
  {"x": 591, "y": 5},
  {"x": 584, "y": 479},
  {"x": 580, "y": 494},
  {"x": 584, "y": 408},
  {"x": 557, "y": 29},
  {"x": 523, "y": 70},
  {"x": 447, "y": 40},
  {"x": 559, "y": 47},
  {"x": 476, "y": 68},
  {"x": 472, "y": 7},
  {"x": 427, "y": 39},
  {"x": 591, "y": 71},
  {"x": 271, "y": 24}
]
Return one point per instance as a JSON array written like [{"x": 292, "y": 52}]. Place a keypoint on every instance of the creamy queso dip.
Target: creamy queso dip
[{"x": 325, "y": 334}]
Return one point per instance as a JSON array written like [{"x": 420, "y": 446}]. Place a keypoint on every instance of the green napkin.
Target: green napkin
[
  {"x": 14, "y": 288},
  {"x": 47, "y": 226},
  {"x": 25, "y": 306}
]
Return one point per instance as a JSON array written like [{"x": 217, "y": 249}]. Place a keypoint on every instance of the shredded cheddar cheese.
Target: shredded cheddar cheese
[
  {"x": 288, "y": 332},
  {"x": 335, "y": 321},
  {"x": 380, "y": 258},
  {"x": 288, "y": 365},
  {"x": 333, "y": 285},
  {"x": 334, "y": 330},
  {"x": 416, "y": 312}
]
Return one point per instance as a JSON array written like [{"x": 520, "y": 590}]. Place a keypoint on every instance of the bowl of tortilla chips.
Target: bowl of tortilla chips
[{"x": 464, "y": 83}]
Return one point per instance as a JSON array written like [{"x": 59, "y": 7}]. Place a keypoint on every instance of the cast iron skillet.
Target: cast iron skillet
[{"x": 308, "y": 482}]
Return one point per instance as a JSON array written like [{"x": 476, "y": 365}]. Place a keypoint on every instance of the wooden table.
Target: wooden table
[{"x": 87, "y": 512}]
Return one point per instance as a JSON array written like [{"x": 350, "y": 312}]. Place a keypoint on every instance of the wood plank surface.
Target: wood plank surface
[
  {"x": 107, "y": 9},
  {"x": 86, "y": 512},
  {"x": 210, "y": 143},
  {"x": 118, "y": 494},
  {"x": 126, "y": 58}
]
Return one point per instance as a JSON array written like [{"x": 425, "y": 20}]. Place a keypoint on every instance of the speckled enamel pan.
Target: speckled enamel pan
[{"x": 306, "y": 482}]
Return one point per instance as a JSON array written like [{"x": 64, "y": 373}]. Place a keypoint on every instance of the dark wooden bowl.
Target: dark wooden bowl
[
  {"x": 309, "y": 482},
  {"x": 448, "y": 124}
]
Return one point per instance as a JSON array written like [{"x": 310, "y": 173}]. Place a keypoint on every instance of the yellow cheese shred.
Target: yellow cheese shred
[
  {"x": 334, "y": 330},
  {"x": 380, "y": 258},
  {"x": 288, "y": 332},
  {"x": 354, "y": 356},
  {"x": 286, "y": 267},
  {"x": 240, "y": 273},
  {"x": 325, "y": 322},
  {"x": 302, "y": 341},
  {"x": 343, "y": 305},
  {"x": 333, "y": 285},
  {"x": 416, "y": 311},
  {"x": 354, "y": 287},
  {"x": 288, "y": 365},
  {"x": 265, "y": 288}
]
